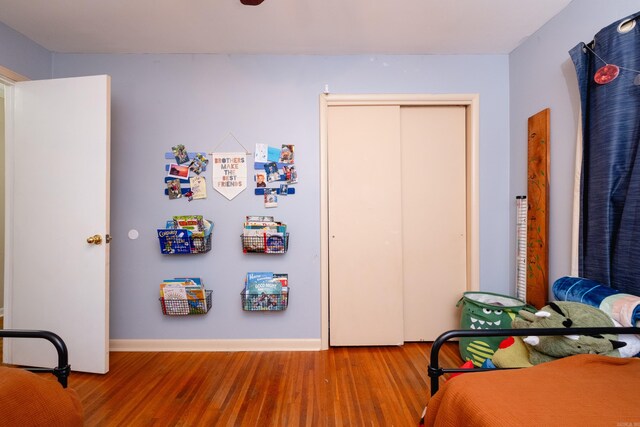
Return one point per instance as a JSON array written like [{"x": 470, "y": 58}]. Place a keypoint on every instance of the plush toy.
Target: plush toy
[
  {"x": 563, "y": 314},
  {"x": 512, "y": 353}
]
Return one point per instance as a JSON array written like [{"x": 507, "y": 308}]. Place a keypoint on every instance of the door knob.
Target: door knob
[{"x": 94, "y": 240}]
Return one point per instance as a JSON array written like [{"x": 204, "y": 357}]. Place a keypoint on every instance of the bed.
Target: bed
[
  {"x": 580, "y": 390},
  {"x": 28, "y": 399}
]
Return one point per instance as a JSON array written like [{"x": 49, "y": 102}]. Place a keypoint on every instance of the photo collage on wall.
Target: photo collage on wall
[
  {"x": 185, "y": 178},
  {"x": 275, "y": 172}
]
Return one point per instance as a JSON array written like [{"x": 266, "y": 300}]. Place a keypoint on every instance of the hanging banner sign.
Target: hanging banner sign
[{"x": 229, "y": 173}]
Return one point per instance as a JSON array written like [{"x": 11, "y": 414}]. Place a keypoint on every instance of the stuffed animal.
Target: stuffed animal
[
  {"x": 511, "y": 353},
  {"x": 563, "y": 314}
]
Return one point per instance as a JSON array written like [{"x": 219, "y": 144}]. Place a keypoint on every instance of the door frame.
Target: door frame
[
  {"x": 8, "y": 78},
  {"x": 471, "y": 102}
]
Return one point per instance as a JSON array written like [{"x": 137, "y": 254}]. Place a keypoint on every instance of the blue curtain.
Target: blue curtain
[{"x": 609, "y": 246}]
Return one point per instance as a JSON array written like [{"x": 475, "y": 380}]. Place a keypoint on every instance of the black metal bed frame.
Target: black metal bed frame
[
  {"x": 435, "y": 371},
  {"x": 62, "y": 370}
]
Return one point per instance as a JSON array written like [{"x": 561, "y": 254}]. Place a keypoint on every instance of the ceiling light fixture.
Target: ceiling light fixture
[{"x": 251, "y": 2}]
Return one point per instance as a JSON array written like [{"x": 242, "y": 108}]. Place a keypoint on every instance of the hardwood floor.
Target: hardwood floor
[{"x": 355, "y": 386}]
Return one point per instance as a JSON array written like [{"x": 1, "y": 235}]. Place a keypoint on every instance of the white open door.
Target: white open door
[{"x": 58, "y": 197}]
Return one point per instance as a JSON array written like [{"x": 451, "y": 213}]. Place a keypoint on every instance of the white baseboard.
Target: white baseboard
[{"x": 216, "y": 345}]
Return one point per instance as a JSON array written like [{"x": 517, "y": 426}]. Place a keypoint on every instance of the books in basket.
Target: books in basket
[
  {"x": 186, "y": 289},
  {"x": 182, "y": 288},
  {"x": 265, "y": 291},
  {"x": 176, "y": 239},
  {"x": 258, "y": 232}
]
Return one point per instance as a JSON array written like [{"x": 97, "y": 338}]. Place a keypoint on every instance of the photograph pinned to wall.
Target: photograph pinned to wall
[
  {"x": 271, "y": 169},
  {"x": 180, "y": 153},
  {"x": 291, "y": 174},
  {"x": 284, "y": 189},
  {"x": 174, "y": 190},
  {"x": 178, "y": 171},
  {"x": 198, "y": 164},
  {"x": 260, "y": 155},
  {"x": 273, "y": 154},
  {"x": 270, "y": 197},
  {"x": 260, "y": 179},
  {"x": 287, "y": 153},
  {"x": 198, "y": 187}
]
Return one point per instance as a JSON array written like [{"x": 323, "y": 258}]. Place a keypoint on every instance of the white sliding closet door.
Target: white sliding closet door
[
  {"x": 397, "y": 221},
  {"x": 365, "y": 229},
  {"x": 433, "y": 219}
]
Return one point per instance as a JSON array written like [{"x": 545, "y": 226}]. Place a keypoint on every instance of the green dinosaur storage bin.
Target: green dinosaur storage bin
[{"x": 486, "y": 310}]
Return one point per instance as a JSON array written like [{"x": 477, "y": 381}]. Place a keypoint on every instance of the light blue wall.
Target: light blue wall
[
  {"x": 162, "y": 100},
  {"x": 543, "y": 76},
  {"x": 23, "y": 56}
]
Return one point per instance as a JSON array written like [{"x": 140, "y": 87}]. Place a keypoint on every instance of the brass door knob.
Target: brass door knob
[{"x": 94, "y": 240}]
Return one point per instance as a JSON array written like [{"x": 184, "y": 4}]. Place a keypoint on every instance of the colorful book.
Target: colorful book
[
  {"x": 208, "y": 227},
  {"x": 274, "y": 243},
  {"x": 283, "y": 278},
  {"x": 258, "y": 283},
  {"x": 174, "y": 292},
  {"x": 195, "y": 280},
  {"x": 193, "y": 223},
  {"x": 174, "y": 241}
]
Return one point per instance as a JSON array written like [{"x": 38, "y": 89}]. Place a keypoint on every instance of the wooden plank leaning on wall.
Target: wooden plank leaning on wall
[{"x": 538, "y": 209}]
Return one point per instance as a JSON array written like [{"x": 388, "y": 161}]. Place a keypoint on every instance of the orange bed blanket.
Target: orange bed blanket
[
  {"x": 27, "y": 399},
  {"x": 581, "y": 390}
]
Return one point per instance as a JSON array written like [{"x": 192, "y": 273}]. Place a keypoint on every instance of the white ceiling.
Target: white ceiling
[{"x": 279, "y": 26}]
